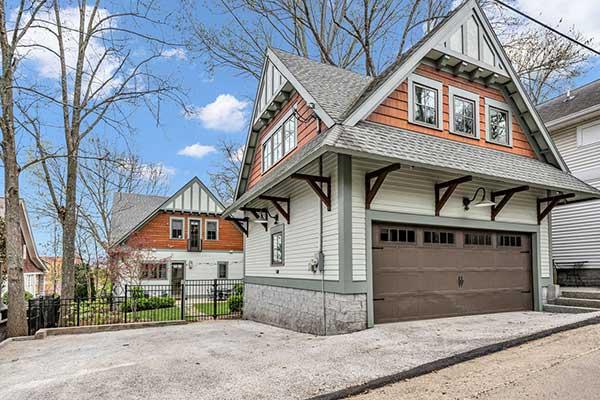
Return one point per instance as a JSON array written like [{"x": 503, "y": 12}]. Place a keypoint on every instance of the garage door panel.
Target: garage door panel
[{"x": 430, "y": 280}]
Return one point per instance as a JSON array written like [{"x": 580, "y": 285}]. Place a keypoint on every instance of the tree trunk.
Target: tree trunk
[{"x": 69, "y": 226}]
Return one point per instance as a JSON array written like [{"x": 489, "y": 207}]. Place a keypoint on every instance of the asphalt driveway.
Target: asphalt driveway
[{"x": 242, "y": 359}]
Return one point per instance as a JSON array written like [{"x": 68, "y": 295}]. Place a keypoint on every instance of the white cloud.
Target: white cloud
[
  {"x": 176, "y": 53},
  {"x": 583, "y": 15},
  {"x": 39, "y": 46},
  {"x": 196, "y": 150},
  {"x": 226, "y": 114}
]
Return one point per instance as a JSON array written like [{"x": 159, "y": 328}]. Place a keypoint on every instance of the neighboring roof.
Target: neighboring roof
[
  {"x": 580, "y": 99},
  {"x": 129, "y": 209},
  {"x": 334, "y": 88},
  {"x": 27, "y": 234},
  {"x": 449, "y": 155}
]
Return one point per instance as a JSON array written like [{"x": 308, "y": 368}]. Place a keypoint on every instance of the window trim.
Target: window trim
[
  {"x": 206, "y": 221},
  {"x": 190, "y": 224},
  {"x": 580, "y": 129},
  {"x": 182, "y": 219},
  {"x": 226, "y": 263},
  {"x": 157, "y": 265},
  {"x": 502, "y": 107},
  {"x": 433, "y": 85},
  {"x": 268, "y": 137},
  {"x": 474, "y": 97},
  {"x": 276, "y": 230}
]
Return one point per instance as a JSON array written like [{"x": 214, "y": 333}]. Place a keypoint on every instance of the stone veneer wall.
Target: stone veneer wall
[
  {"x": 578, "y": 277},
  {"x": 3, "y": 330},
  {"x": 302, "y": 310}
]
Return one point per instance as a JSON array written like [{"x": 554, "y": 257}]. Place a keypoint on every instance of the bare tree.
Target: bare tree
[
  {"x": 351, "y": 34},
  {"x": 101, "y": 77},
  {"x": 15, "y": 21},
  {"x": 546, "y": 63},
  {"x": 223, "y": 179}
]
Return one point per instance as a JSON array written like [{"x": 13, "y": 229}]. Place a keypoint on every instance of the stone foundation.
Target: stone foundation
[
  {"x": 302, "y": 310},
  {"x": 578, "y": 277}
]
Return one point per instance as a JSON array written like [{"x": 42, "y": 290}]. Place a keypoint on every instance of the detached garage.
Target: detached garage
[{"x": 429, "y": 272}]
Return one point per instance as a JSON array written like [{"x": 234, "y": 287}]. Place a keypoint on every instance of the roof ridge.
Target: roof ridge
[{"x": 557, "y": 97}]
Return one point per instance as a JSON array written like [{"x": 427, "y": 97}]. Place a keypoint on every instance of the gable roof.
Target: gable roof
[
  {"x": 27, "y": 234},
  {"x": 131, "y": 210},
  {"x": 583, "y": 99}
]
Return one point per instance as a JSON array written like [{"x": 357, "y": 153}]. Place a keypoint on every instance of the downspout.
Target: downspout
[{"x": 321, "y": 258}]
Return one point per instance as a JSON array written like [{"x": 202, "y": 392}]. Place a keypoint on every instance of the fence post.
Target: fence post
[
  {"x": 29, "y": 317},
  {"x": 77, "y": 312},
  {"x": 182, "y": 301},
  {"x": 125, "y": 306},
  {"x": 214, "y": 299}
]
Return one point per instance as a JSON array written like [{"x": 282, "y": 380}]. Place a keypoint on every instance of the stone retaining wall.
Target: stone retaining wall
[
  {"x": 302, "y": 310},
  {"x": 3, "y": 330},
  {"x": 578, "y": 277}
]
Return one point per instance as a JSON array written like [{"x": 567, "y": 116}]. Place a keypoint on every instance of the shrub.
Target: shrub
[
  {"x": 238, "y": 289},
  {"x": 28, "y": 296},
  {"x": 235, "y": 303},
  {"x": 148, "y": 303}
]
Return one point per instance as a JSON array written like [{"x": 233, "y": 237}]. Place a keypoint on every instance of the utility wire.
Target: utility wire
[{"x": 548, "y": 27}]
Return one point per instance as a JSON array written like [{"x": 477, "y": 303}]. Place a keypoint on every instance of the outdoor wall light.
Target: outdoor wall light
[
  {"x": 263, "y": 217},
  {"x": 481, "y": 203}
]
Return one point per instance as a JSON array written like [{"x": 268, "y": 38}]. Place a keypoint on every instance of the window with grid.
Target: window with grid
[
  {"x": 212, "y": 230},
  {"x": 438, "y": 237},
  {"x": 280, "y": 143},
  {"x": 177, "y": 228},
  {"x": 498, "y": 126},
  {"x": 509, "y": 241},
  {"x": 397, "y": 235},
  {"x": 425, "y": 99},
  {"x": 478, "y": 239},
  {"x": 464, "y": 116},
  {"x": 153, "y": 271}
]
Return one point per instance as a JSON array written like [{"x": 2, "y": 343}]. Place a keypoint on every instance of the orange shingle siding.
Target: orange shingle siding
[
  {"x": 393, "y": 111},
  {"x": 306, "y": 131},
  {"x": 156, "y": 232}
]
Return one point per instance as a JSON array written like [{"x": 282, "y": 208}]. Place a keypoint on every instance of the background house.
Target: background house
[
  {"x": 34, "y": 268},
  {"x": 574, "y": 123},
  {"x": 177, "y": 238},
  {"x": 418, "y": 194}
]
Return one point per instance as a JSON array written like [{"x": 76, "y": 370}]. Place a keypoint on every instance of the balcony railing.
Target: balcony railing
[{"x": 194, "y": 244}]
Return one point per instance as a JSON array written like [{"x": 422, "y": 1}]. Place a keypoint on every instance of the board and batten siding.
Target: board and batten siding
[
  {"x": 576, "y": 228},
  {"x": 411, "y": 191},
  {"x": 302, "y": 234}
]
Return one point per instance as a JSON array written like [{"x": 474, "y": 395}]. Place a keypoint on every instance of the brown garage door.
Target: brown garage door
[{"x": 423, "y": 272}]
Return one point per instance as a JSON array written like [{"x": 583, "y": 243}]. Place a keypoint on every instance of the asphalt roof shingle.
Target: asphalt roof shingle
[
  {"x": 334, "y": 88},
  {"x": 581, "y": 98},
  {"x": 423, "y": 149},
  {"x": 128, "y": 210}
]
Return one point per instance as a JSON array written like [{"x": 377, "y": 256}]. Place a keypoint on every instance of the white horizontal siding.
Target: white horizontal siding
[
  {"x": 411, "y": 191},
  {"x": 578, "y": 158},
  {"x": 302, "y": 234},
  {"x": 544, "y": 249}
]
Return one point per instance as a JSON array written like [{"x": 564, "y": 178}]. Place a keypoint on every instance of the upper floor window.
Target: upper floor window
[
  {"x": 588, "y": 134},
  {"x": 176, "y": 228},
  {"x": 425, "y": 101},
  {"x": 280, "y": 142},
  {"x": 212, "y": 228},
  {"x": 464, "y": 112},
  {"x": 498, "y": 122}
]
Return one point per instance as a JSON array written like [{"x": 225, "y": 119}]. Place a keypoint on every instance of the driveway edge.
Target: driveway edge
[
  {"x": 78, "y": 330},
  {"x": 449, "y": 361}
]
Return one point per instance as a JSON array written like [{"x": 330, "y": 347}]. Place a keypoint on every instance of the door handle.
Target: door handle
[
  {"x": 461, "y": 281},
  {"x": 379, "y": 299},
  {"x": 525, "y": 291}
]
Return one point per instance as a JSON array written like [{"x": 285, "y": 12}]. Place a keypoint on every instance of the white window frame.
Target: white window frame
[
  {"x": 219, "y": 263},
  {"x": 431, "y": 84},
  {"x": 182, "y": 219},
  {"x": 580, "y": 134},
  {"x": 206, "y": 221},
  {"x": 269, "y": 138},
  {"x": 277, "y": 230},
  {"x": 503, "y": 107},
  {"x": 474, "y": 97}
]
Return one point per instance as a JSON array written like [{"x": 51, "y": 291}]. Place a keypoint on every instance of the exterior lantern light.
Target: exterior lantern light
[
  {"x": 481, "y": 203},
  {"x": 263, "y": 217}
]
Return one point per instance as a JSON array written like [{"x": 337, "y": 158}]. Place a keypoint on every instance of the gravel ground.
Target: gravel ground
[
  {"x": 562, "y": 366},
  {"x": 243, "y": 359}
]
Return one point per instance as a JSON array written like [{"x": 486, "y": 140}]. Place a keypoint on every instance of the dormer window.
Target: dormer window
[
  {"x": 464, "y": 112},
  {"x": 425, "y": 101},
  {"x": 279, "y": 143},
  {"x": 498, "y": 122}
]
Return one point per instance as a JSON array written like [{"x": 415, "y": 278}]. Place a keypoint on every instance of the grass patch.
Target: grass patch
[
  {"x": 208, "y": 308},
  {"x": 158, "y": 314}
]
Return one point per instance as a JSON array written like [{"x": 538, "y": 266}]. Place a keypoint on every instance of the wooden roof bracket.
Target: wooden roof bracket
[
  {"x": 239, "y": 223},
  {"x": 284, "y": 212},
  {"x": 450, "y": 187},
  {"x": 256, "y": 212},
  {"x": 380, "y": 174},
  {"x": 552, "y": 201},
  {"x": 314, "y": 181},
  {"x": 506, "y": 195}
]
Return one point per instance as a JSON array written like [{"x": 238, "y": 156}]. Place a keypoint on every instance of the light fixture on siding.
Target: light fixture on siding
[
  {"x": 263, "y": 217},
  {"x": 481, "y": 203}
]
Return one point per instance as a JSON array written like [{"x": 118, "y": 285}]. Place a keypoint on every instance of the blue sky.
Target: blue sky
[{"x": 223, "y": 102}]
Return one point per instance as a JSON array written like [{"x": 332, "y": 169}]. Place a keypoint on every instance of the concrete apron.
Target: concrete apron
[{"x": 452, "y": 360}]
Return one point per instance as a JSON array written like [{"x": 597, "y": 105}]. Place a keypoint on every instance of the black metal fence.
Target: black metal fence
[{"x": 190, "y": 300}]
